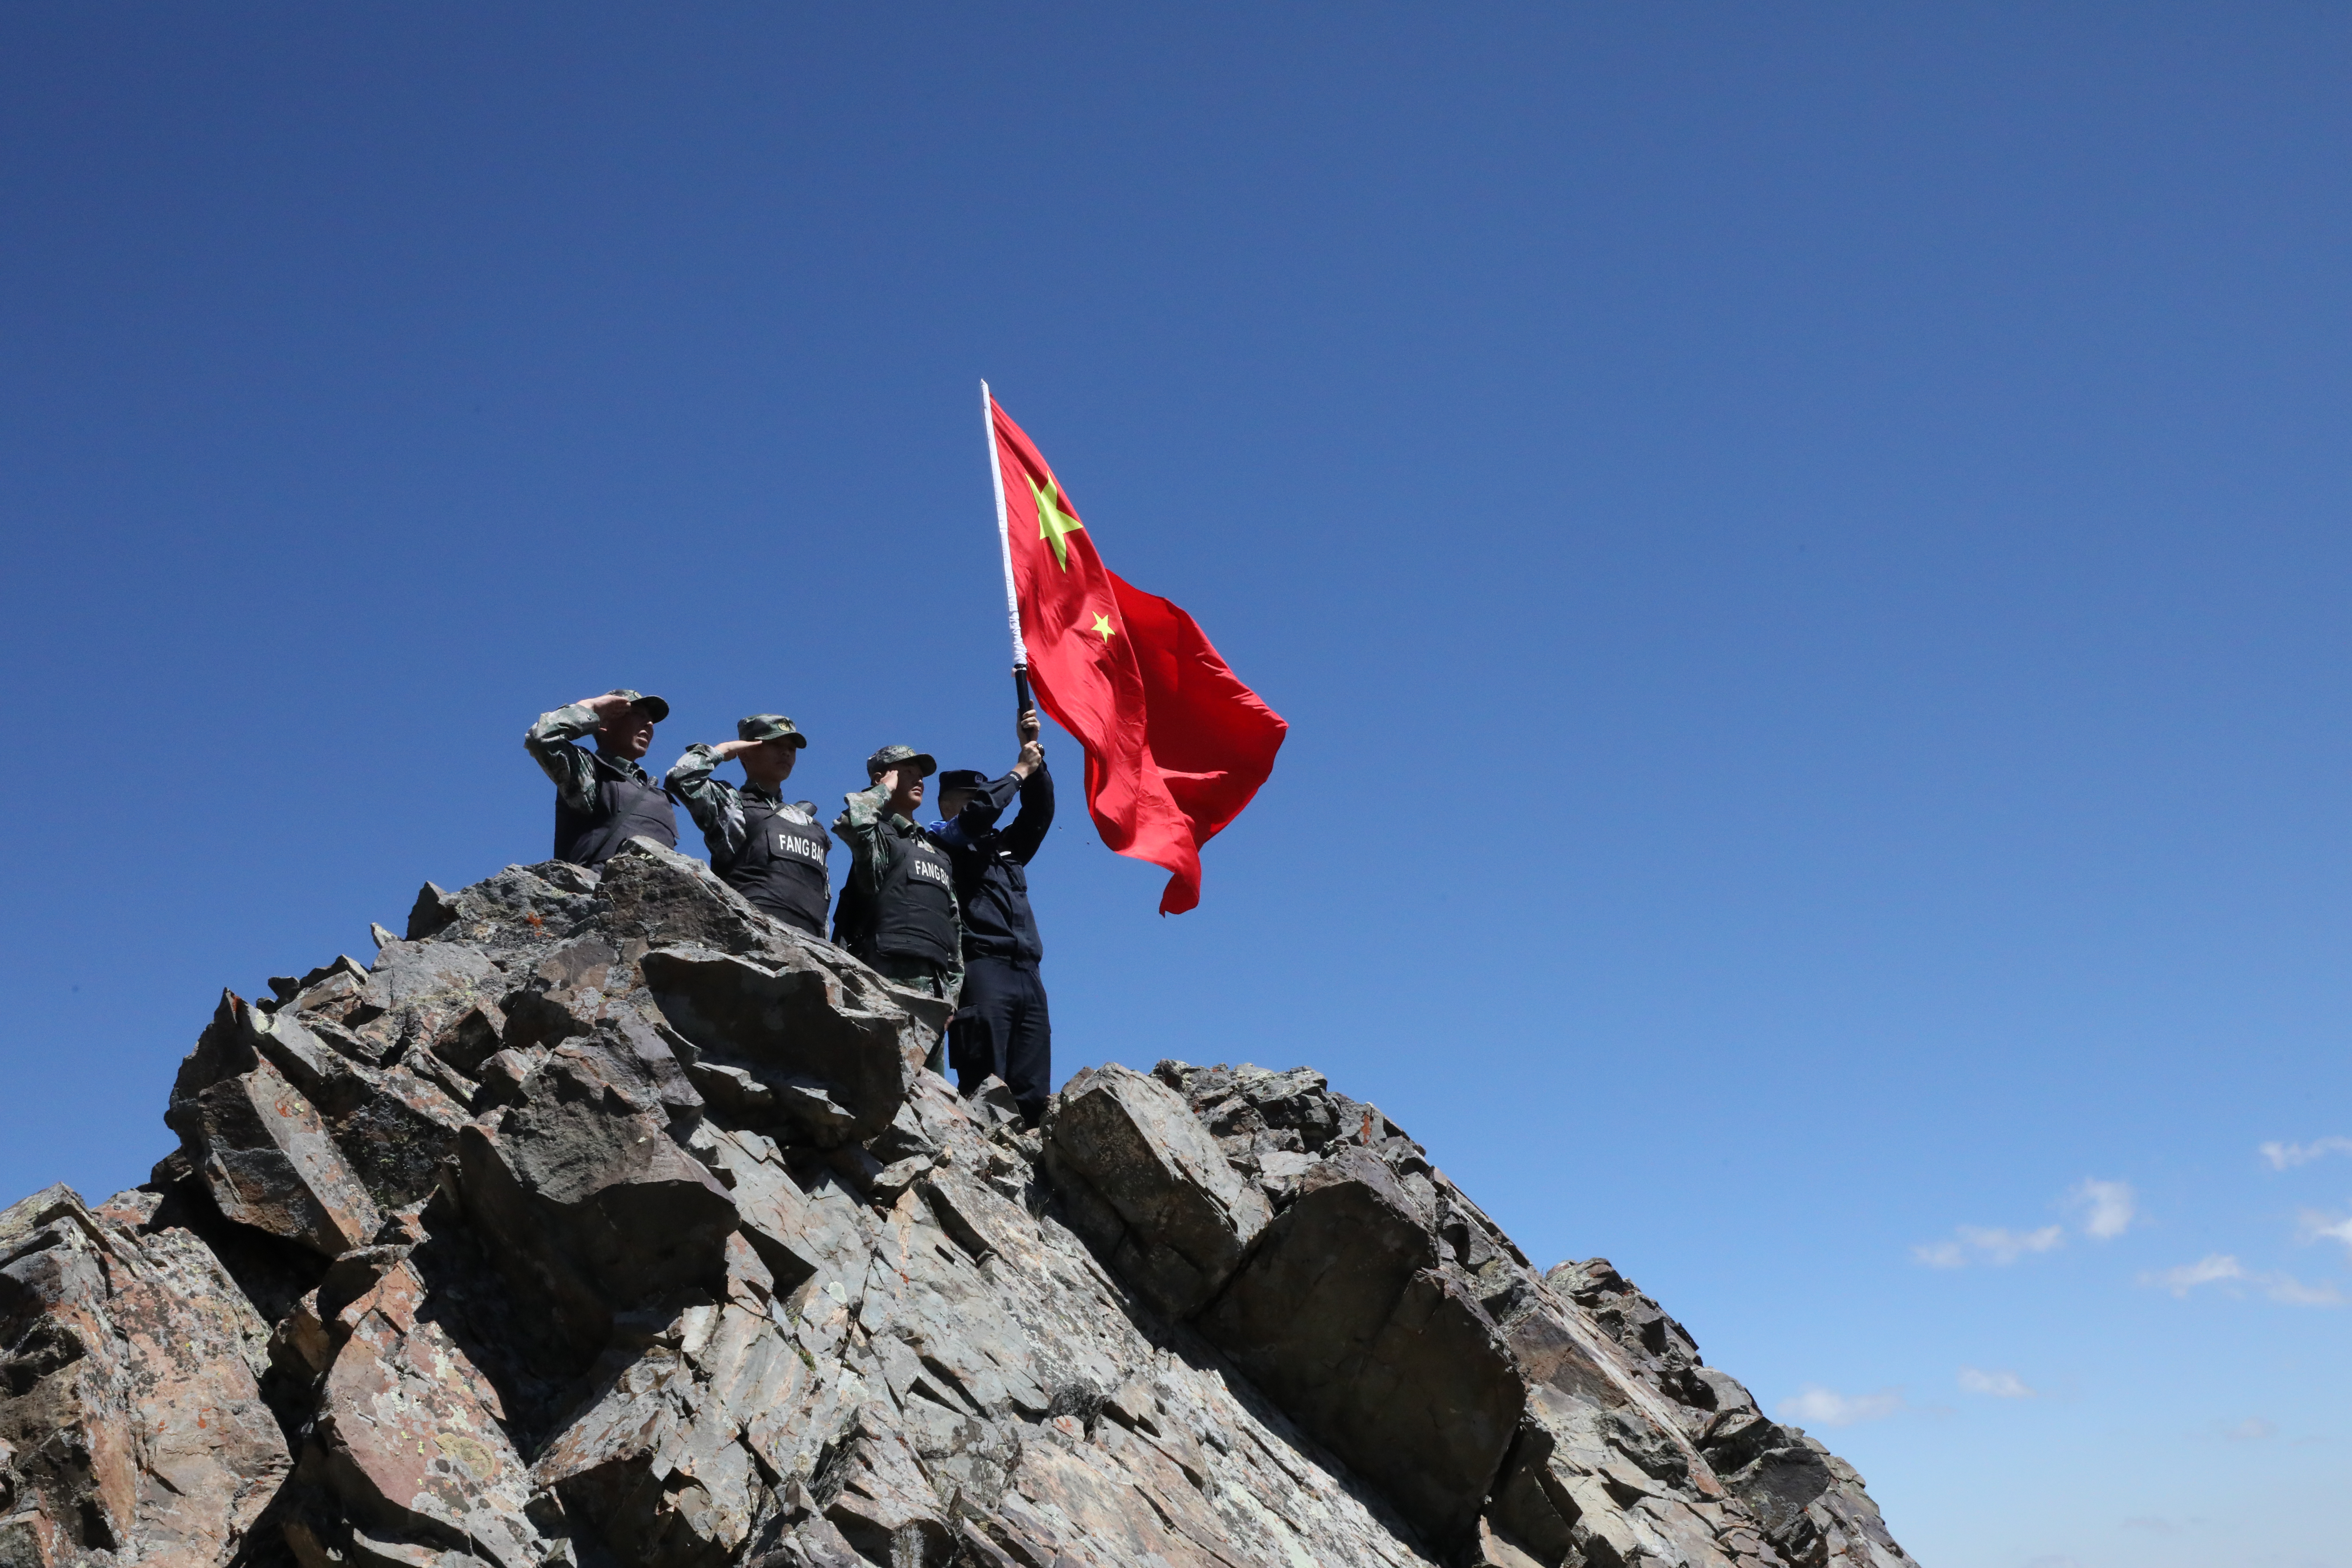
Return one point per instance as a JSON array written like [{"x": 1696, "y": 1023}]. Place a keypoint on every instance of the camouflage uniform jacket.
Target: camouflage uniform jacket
[
  {"x": 552, "y": 742},
  {"x": 716, "y": 807},
  {"x": 873, "y": 836}
]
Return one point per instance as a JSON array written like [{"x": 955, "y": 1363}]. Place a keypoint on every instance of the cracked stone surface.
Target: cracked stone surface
[{"x": 602, "y": 1221}]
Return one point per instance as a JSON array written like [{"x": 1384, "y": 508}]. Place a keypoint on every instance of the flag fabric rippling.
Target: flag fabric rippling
[{"x": 1176, "y": 745}]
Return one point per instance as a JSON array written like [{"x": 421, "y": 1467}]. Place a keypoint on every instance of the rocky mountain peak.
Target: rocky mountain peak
[{"x": 602, "y": 1221}]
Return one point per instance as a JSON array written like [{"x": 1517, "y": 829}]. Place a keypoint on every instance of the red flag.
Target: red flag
[{"x": 1176, "y": 745}]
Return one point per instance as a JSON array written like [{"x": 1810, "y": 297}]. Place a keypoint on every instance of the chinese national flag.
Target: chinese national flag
[{"x": 1176, "y": 745}]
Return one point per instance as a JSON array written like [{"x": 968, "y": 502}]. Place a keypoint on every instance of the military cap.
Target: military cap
[
  {"x": 963, "y": 778},
  {"x": 889, "y": 757},
  {"x": 769, "y": 726},
  {"x": 656, "y": 708}
]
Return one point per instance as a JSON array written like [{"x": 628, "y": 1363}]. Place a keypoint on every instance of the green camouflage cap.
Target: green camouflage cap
[
  {"x": 769, "y": 726},
  {"x": 656, "y": 708},
  {"x": 889, "y": 757}
]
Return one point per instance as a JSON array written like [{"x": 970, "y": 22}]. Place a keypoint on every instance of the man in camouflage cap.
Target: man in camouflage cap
[
  {"x": 770, "y": 850},
  {"x": 897, "y": 909},
  {"x": 603, "y": 798}
]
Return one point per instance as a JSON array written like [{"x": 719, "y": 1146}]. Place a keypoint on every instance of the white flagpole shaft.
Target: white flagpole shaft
[{"x": 1004, "y": 532}]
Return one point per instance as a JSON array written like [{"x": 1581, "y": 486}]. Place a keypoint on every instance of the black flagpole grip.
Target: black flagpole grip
[{"x": 1020, "y": 688}]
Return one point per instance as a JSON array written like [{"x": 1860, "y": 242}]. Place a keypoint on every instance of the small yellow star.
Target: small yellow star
[{"x": 1102, "y": 625}]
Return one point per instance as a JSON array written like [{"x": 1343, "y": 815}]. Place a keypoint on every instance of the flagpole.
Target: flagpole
[{"x": 1005, "y": 543}]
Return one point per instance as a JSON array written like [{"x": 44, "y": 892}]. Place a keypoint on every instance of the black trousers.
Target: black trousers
[{"x": 1001, "y": 1029}]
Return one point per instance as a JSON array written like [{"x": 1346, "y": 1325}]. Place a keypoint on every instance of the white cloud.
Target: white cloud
[
  {"x": 2108, "y": 1208},
  {"x": 2103, "y": 1209},
  {"x": 1813, "y": 1405},
  {"x": 2009, "y": 1246},
  {"x": 2000, "y": 1384},
  {"x": 2221, "y": 1269},
  {"x": 2282, "y": 1156},
  {"x": 2211, "y": 1270},
  {"x": 2252, "y": 1429},
  {"x": 2286, "y": 1289},
  {"x": 2317, "y": 1226},
  {"x": 1995, "y": 1244}
]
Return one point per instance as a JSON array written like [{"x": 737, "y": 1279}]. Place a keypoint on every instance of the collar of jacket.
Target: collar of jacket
[{"x": 624, "y": 766}]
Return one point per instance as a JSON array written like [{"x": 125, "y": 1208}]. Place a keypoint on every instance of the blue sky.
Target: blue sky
[{"x": 1803, "y": 550}]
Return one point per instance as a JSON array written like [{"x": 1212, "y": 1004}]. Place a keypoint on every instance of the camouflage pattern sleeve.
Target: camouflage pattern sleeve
[
  {"x": 711, "y": 802},
  {"x": 550, "y": 743},
  {"x": 860, "y": 828}
]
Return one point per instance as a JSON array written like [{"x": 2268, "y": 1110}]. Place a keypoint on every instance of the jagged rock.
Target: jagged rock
[
  {"x": 663, "y": 897},
  {"x": 658, "y": 1464},
  {"x": 602, "y": 1221},
  {"x": 886, "y": 1507},
  {"x": 1343, "y": 1317},
  {"x": 265, "y": 1153},
  {"x": 660, "y": 899},
  {"x": 392, "y": 1128},
  {"x": 431, "y": 913},
  {"x": 131, "y": 1421},
  {"x": 794, "y": 1240},
  {"x": 635, "y": 1053},
  {"x": 472, "y": 1038},
  {"x": 411, "y": 1437},
  {"x": 423, "y": 986},
  {"x": 1151, "y": 1187},
  {"x": 591, "y": 1207},
  {"x": 1807, "y": 1504},
  {"x": 791, "y": 1031}
]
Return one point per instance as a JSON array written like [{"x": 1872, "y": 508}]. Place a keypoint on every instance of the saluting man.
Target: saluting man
[
  {"x": 771, "y": 851},
  {"x": 1002, "y": 1028},
  {"x": 603, "y": 798},
  {"x": 897, "y": 910}
]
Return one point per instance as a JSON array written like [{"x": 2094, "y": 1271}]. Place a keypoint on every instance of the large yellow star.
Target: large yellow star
[
  {"x": 1054, "y": 523},
  {"x": 1102, "y": 625}
]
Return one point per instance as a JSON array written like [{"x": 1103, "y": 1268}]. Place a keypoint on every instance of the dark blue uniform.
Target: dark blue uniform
[{"x": 1001, "y": 1027}]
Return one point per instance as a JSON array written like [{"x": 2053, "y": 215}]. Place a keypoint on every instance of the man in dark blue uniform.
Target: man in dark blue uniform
[{"x": 1001, "y": 1027}]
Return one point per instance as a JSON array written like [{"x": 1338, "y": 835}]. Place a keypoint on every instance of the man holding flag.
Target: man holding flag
[{"x": 1001, "y": 1029}]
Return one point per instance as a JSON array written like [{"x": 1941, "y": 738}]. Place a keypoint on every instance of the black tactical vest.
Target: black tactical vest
[
  {"x": 914, "y": 909},
  {"x": 626, "y": 808},
  {"x": 781, "y": 868}
]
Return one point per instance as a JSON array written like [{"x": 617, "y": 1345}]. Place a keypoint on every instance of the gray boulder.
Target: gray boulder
[
  {"x": 1344, "y": 1317},
  {"x": 1150, "y": 1187}
]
